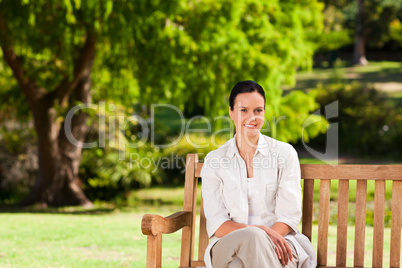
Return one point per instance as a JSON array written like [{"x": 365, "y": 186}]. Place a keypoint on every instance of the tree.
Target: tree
[
  {"x": 151, "y": 51},
  {"x": 367, "y": 22},
  {"x": 58, "y": 158},
  {"x": 373, "y": 25},
  {"x": 359, "y": 54}
]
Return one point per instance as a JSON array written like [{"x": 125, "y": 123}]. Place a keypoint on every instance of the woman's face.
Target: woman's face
[{"x": 248, "y": 113}]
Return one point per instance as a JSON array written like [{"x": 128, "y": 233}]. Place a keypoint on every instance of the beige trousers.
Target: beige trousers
[{"x": 248, "y": 248}]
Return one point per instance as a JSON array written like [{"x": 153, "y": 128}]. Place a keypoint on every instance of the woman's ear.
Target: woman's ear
[{"x": 230, "y": 113}]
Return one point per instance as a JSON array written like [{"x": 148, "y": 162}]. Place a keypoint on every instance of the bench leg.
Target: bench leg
[{"x": 154, "y": 251}]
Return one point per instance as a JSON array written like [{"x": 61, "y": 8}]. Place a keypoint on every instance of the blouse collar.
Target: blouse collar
[{"x": 262, "y": 146}]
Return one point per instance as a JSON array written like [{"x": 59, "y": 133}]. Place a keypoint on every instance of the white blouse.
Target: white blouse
[
  {"x": 225, "y": 191},
  {"x": 254, "y": 207}
]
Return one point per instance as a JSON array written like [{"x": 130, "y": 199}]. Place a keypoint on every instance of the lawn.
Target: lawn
[
  {"x": 111, "y": 239},
  {"x": 385, "y": 76}
]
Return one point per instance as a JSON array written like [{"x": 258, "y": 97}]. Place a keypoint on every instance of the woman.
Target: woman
[{"x": 252, "y": 194}]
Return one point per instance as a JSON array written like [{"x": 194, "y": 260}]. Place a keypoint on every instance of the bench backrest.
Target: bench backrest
[{"x": 311, "y": 173}]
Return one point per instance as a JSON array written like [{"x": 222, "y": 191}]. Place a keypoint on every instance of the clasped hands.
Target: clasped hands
[{"x": 282, "y": 248}]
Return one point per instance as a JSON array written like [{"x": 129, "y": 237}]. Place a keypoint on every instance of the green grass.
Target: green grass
[
  {"x": 68, "y": 240},
  {"x": 384, "y": 75},
  {"x": 111, "y": 239},
  {"x": 169, "y": 197},
  {"x": 316, "y": 161}
]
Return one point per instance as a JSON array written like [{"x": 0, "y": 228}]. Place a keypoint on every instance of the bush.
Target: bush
[
  {"x": 18, "y": 162},
  {"x": 369, "y": 124},
  {"x": 107, "y": 174}
]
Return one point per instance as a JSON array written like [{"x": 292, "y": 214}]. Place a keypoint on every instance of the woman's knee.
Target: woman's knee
[
  {"x": 252, "y": 234},
  {"x": 255, "y": 231}
]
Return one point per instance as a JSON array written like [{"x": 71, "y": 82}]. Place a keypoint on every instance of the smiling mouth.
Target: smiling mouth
[{"x": 250, "y": 126}]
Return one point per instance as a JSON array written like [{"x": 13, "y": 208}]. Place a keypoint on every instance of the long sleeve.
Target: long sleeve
[
  {"x": 289, "y": 196},
  {"x": 215, "y": 211}
]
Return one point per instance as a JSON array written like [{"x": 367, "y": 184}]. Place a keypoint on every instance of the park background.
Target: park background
[{"x": 64, "y": 206}]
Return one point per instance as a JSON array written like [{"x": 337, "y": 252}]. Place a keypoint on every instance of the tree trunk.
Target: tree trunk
[
  {"x": 57, "y": 183},
  {"x": 359, "y": 53}
]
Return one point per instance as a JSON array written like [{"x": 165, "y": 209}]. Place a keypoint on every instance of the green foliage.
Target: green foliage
[
  {"x": 185, "y": 53},
  {"x": 13, "y": 106},
  {"x": 334, "y": 40},
  {"x": 106, "y": 175},
  {"x": 18, "y": 161},
  {"x": 217, "y": 43},
  {"x": 379, "y": 23},
  {"x": 169, "y": 50},
  {"x": 396, "y": 31},
  {"x": 334, "y": 34},
  {"x": 195, "y": 143},
  {"x": 378, "y": 15},
  {"x": 294, "y": 114},
  {"x": 119, "y": 162},
  {"x": 369, "y": 124},
  {"x": 11, "y": 140}
]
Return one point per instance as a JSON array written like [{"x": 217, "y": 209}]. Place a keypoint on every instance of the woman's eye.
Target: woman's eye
[
  {"x": 259, "y": 110},
  {"x": 243, "y": 110}
]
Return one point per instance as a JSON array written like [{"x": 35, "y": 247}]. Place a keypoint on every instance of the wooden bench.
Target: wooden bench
[{"x": 154, "y": 226}]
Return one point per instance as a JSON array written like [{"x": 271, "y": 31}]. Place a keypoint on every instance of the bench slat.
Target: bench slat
[
  {"x": 188, "y": 233},
  {"x": 343, "y": 172},
  {"x": 323, "y": 222},
  {"x": 342, "y": 225},
  {"x": 194, "y": 213},
  {"x": 203, "y": 236},
  {"x": 352, "y": 172},
  {"x": 197, "y": 264},
  {"x": 308, "y": 201},
  {"x": 360, "y": 223},
  {"x": 154, "y": 251},
  {"x": 396, "y": 224},
  {"x": 378, "y": 230},
  {"x": 198, "y": 167}
]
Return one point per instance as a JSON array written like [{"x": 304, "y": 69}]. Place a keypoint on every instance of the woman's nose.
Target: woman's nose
[{"x": 251, "y": 117}]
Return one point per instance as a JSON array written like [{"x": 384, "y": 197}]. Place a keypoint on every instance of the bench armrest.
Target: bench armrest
[{"x": 154, "y": 224}]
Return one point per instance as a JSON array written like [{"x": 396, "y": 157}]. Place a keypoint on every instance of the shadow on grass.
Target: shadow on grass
[
  {"x": 377, "y": 75},
  {"x": 372, "y": 77},
  {"x": 60, "y": 210},
  {"x": 157, "y": 201}
]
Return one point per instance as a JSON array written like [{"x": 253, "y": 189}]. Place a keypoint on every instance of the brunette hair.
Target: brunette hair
[{"x": 247, "y": 86}]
